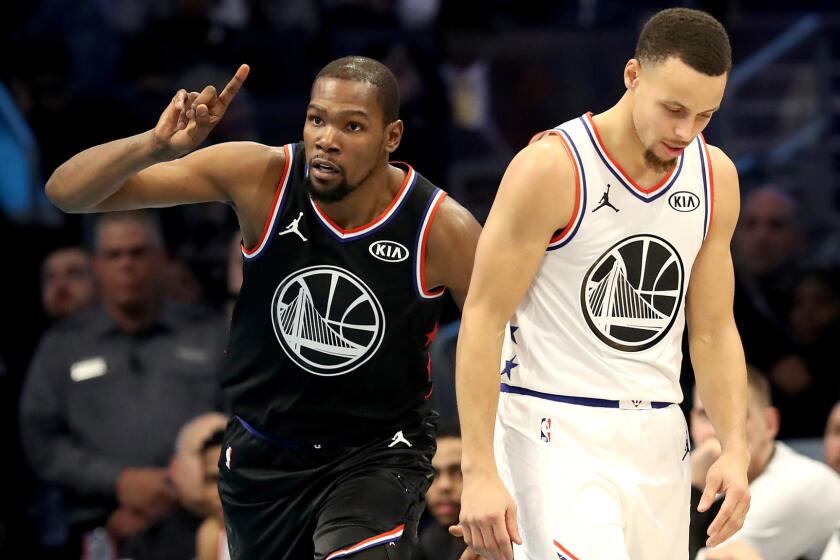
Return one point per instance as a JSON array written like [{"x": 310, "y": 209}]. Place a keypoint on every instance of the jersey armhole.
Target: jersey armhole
[
  {"x": 420, "y": 248},
  {"x": 708, "y": 184},
  {"x": 565, "y": 234},
  {"x": 276, "y": 207}
]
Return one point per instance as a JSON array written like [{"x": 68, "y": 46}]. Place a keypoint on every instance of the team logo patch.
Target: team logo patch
[
  {"x": 388, "y": 251},
  {"x": 631, "y": 295},
  {"x": 684, "y": 201},
  {"x": 327, "y": 320}
]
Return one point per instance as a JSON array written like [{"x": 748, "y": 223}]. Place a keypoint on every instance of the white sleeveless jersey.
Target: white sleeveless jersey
[{"x": 604, "y": 315}]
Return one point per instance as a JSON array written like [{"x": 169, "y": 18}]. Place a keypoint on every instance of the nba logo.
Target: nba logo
[
  {"x": 545, "y": 430},
  {"x": 228, "y": 453}
]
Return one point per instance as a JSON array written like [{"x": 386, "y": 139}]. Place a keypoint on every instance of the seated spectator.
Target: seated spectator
[
  {"x": 67, "y": 284},
  {"x": 109, "y": 388},
  {"x": 766, "y": 246},
  {"x": 182, "y": 284},
  {"x": 195, "y": 474},
  {"x": 832, "y": 551},
  {"x": 443, "y": 499},
  {"x": 211, "y": 539},
  {"x": 815, "y": 323},
  {"x": 795, "y": 500},
  {"x": 831, "y": 440}
]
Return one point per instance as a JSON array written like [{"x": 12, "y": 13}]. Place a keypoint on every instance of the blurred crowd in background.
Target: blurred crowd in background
[{"x": 478, "y": 79}]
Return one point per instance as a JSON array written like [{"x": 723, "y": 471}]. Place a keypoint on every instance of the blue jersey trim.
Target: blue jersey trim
[
  {"x": 705, "y": 188},
  {"x": 581, "y": 401}
]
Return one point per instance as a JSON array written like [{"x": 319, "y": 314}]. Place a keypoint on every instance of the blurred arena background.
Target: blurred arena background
[{"x": 478, "y": 79}]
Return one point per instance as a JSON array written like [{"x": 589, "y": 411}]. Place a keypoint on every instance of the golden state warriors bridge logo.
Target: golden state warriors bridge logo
[
  {"x": 631, "y": 296},
  {"x": 327, "y": 320}
]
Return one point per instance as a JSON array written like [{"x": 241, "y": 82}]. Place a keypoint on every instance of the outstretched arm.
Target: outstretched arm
[
  {"x": 122, "y": 174},
  {"x": 718, "y": 357},
  {"x": 535, "y": 198}
]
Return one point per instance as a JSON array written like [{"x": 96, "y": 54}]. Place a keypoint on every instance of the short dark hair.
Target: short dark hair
[
  {"x": 147, "y": 218},
  {"x": 369, "y": 71},
  {"x": 693, "y": 36},
  {"x": 757, "y": 382}
]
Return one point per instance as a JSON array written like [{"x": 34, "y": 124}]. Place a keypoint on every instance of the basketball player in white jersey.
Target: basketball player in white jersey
[{"x": 608, "y": 234}]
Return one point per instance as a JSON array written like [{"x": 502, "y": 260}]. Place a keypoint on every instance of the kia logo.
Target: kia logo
[
  {"x": 388, "y": 251},
  {"x": 684, "y": 201}
]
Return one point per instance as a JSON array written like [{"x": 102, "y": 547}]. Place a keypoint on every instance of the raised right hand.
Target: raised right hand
[
  {"x": 148, "y": 490},
  {"x": 488, "y": 518},
  {"x": 190, "y": 116}
]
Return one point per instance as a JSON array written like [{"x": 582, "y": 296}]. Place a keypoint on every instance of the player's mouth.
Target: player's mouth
[
  {"x": 323, "y": 169},
  {"x": 673, "y": 150}
]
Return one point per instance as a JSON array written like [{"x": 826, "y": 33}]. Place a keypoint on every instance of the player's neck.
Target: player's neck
[
  {"x": 618, "y": 134},
  {"x": 368, "y": 200},
  {"x": 758, "y": 464}
]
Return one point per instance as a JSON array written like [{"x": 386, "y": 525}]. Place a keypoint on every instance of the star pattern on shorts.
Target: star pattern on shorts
[
  {"x": 513, "y": 329},
  {"x": 509, "y": 365}
]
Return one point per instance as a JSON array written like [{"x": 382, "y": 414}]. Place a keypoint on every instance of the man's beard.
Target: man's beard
[
  {"x": 335, "y": 194},
  {"x": 658, "y": 164}
]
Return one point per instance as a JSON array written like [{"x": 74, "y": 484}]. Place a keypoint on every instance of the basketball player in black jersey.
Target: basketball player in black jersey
[{"x": 346, "y": 259}]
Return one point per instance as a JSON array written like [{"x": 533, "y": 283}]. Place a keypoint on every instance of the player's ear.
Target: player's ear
[
  {"x": 632, "y": 71},
  {"x": 393, "y": 135}
]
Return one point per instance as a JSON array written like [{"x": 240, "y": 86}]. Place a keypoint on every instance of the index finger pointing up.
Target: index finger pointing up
[{"x": 234, "y": 85}]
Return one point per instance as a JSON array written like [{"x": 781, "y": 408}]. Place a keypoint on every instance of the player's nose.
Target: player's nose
[{"x": 327, "y": 140}]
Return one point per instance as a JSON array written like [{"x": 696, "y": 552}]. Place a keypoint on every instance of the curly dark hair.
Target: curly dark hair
[{"x": 693, "y": 36}]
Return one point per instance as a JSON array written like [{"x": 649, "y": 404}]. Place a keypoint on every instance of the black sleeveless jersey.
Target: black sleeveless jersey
[{"x": 330, "y": 332}]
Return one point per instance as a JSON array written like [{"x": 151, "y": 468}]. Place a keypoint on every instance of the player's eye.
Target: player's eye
[
  {"x": 315, "y": 120},
  {"x": 354, "y": 127}
]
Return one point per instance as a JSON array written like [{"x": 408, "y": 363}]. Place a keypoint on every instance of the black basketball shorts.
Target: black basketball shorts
[{"x": 298, "y": 501}]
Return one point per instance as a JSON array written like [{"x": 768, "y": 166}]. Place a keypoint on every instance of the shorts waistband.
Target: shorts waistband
[
  {"x": 288, "y": 444},
  {"x": 624, "y": 404},
  {"x": 325, "y": 444}
]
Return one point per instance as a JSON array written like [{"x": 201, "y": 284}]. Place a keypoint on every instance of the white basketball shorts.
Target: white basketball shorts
[{"x": 595, "y": 483}]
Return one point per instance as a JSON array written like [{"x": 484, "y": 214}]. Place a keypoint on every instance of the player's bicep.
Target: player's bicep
[
  {"x": 535, "y": 199},
  {"x": 452, "y": 243},
  {"x": 711, "y": 292}
]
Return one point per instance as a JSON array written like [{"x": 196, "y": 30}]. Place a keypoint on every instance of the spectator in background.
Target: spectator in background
[
  {"x": 831, "y": 440},
  {"x": 109, "y": 388},
  {"x": 211, "y": 539},
  {"x": 443, "y": 499},
  {"x": 795, "y": 500},
  {"x": 807, "y": 395},
  {"x": 182, "y": 284},
  {"x": 67, "y": 284},
  {"x": 191, "y": 470},
  {"x": 766, "y": 245},
  {"x": 832, "y": 551}
]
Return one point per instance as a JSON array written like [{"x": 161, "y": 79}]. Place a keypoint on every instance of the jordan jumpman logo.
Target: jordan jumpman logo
[
  {"x": 293, "y": 227},
  {"x": 399, "y": 438},
  {"x": 605, "y": 201}
]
